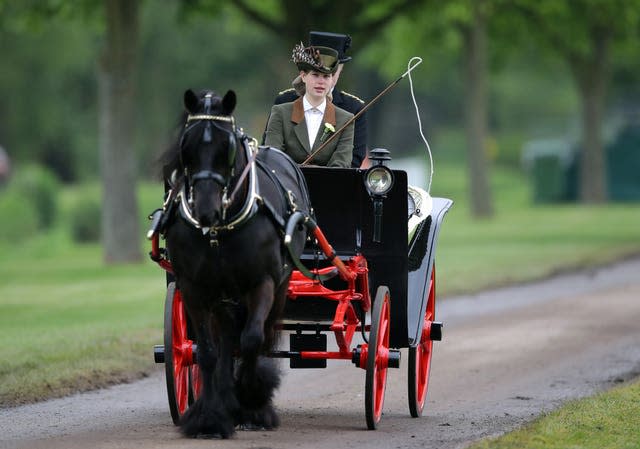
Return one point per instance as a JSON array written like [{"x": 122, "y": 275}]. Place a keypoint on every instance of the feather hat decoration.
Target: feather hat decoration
[{"x": 319, "y": 59}]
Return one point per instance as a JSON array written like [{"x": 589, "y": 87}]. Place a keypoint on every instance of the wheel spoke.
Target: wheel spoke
[
  {"x": 377, "y": 358},
  {"x": 178, "y": 360}
]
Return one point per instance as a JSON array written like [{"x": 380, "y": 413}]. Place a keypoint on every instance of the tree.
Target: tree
[
  {"x": 474, "y": 33},
  {"x": 116, "y": 97},
  {"x": 583, "y": 32},
  {"x": 293, "y": 19},
  {"x": 116, "y": 69},
  {"x": 461, "y": 27}
]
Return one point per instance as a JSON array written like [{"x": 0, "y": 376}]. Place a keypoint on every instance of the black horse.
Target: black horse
[{"x": 228, "y": 211}]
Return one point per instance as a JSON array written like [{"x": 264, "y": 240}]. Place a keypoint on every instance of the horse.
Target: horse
[{"x": 225, "y": 242}]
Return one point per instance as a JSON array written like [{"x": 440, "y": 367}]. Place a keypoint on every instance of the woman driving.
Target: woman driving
[{"x": 299, "y": 128}]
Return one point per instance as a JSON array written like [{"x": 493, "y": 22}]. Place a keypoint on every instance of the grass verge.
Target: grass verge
[
  {"x": 609, "y": 420},
  {"x": 70, "y": 323}
]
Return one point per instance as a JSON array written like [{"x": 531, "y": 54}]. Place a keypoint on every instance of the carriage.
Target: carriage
[
  {"x": 381, "y": 284},
  {"x": 366, "y": 276}
]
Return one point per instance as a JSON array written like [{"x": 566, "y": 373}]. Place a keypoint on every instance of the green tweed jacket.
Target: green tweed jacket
[{"x": 287, "y": 131}]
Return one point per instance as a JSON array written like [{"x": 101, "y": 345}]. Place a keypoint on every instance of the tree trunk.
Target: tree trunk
[
  {"x": 116, "y": 88},
  {"x": 475, "y": 43},
  {"x": 591, "y": 76}
]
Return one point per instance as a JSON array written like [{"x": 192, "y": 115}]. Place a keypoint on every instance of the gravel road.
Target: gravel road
[{"x": 507, "y": 356}]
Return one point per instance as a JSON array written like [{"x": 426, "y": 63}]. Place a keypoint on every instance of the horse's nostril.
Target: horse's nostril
[{"x": 208, "y": 220}]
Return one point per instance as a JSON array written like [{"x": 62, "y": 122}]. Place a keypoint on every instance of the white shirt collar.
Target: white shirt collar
[{"x": 306, "y": 105}]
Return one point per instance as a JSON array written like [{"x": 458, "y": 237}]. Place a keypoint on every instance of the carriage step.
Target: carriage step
[
  {"x": 158, "y": 353},
  {"x": 300, "y": 342},
  {"x": 436, "y": 331}
]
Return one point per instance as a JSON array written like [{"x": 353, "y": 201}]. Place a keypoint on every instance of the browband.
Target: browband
[{"x": 217, "y": 118}]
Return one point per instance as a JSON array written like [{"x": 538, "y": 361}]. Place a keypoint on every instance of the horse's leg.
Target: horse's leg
[
  {"x": 227, "y": 331},
  {"x": 258, "y": 376},
  {"x": 258, "y": 303},
  {"x": 209, "y": 414}
]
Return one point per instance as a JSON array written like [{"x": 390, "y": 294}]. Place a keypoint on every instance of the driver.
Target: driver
[
  {"x": 344, "y": 100},
  {"x": 300, "y": 127}
]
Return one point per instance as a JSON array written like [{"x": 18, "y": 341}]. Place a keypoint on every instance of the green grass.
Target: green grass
[
  {"x": 68, "y": 322},
  {"x": 608, "y": 420}
]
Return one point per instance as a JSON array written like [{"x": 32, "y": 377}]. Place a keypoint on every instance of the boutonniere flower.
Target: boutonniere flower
[{"x": 328, "y": 130}]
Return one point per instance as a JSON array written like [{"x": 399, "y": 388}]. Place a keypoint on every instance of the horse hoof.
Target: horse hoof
[
  {"x": 208, "y": 431},
  {"x": 263, "y": 419},
  {"x": 200, "y": 423}
]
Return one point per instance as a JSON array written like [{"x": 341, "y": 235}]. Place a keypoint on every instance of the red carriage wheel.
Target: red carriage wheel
[
  {"x": 420, "y": 355},
  {"x": 178, "y": 358},
  {"x": 377, "y": 358}
]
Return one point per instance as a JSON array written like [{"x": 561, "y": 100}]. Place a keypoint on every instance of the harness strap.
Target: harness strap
[
  {"x": 208, "y": 175},
  {"x": 284, "y": 193},
  {"x": 271, "y": 212}
]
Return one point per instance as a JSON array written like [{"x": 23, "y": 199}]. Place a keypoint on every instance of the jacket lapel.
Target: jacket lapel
[
  {"x": 300, "y": 125},
  {"x": 328, "y": 117}
]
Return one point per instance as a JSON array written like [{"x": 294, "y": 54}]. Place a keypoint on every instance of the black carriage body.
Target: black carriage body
[
  {"x": 422, "y": 249},
  {"x": 344, "y": 212}
]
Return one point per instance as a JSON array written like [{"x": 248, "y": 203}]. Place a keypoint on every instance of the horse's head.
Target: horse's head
[{"x": 208, "y": 148}]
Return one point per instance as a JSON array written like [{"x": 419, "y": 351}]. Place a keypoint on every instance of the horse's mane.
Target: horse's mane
[{"x": 169, "y": 160}]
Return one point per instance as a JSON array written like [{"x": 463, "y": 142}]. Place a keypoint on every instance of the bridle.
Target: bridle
[
  {"x": 185, "y": 196},
  {"x": 210, "y": 120}
]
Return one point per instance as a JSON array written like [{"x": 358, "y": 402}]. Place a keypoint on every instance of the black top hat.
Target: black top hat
[
  {"x": 316, "y": 58},
  {"x": 339, "y": 42}
]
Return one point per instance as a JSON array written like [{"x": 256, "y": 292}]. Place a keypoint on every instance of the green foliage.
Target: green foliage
[
  {"x": 575, "y": 28},
  {"x": 34, "y": 15},
  {"x": 53, "y": 119},
  {"x": 84, "y": 219},
  {"x": 19, "y": 217},
  {"x": 38, "y": 186},
  {"x": 48, "y": 108}
]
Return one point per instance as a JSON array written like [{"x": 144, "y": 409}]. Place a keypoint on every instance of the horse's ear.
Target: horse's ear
[
  {"x": 229, "y": 102},
  {"x": 191, "y": 101}
]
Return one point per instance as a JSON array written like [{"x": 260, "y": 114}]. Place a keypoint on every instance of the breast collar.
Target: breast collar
[{"x": 249, "y": 209}]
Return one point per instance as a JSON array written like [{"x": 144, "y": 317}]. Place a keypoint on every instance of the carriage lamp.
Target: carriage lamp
[{"x": 378, "y": 180}]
